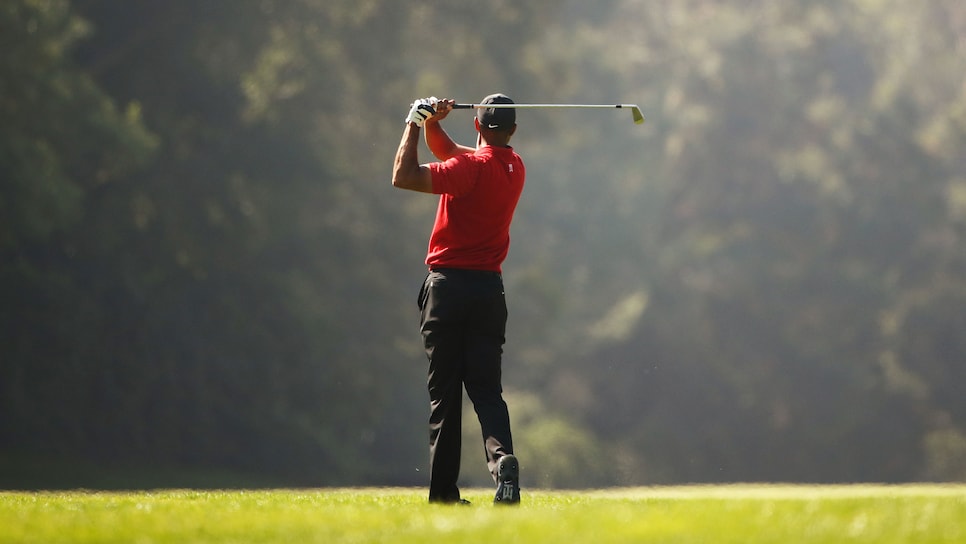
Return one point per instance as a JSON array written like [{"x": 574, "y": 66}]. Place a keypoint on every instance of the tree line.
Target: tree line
[{"x": 203, "y": 265}]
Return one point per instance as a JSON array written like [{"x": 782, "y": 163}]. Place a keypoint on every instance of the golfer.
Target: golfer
[{"x": 462, "y": 305}]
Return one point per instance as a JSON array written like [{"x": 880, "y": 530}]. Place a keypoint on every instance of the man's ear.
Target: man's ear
[{"x": 476, "y": 123}]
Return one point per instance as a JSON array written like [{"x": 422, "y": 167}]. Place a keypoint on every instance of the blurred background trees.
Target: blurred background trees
[{"x": 203, "y": 265}]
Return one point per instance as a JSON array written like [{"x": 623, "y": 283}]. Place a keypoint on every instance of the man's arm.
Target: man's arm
[
  {"x": 438, "y": 141},
  {"x": 407, "y": 173}
]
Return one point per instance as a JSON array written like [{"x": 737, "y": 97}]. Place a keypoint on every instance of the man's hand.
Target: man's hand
[
  {"x": 421, "y": 110},
  {"x": 443, "y": 107}
]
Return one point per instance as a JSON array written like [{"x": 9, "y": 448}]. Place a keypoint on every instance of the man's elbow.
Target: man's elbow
[
  {"x": 400, "y": 181},
  {"x": 398, "y": 177}
]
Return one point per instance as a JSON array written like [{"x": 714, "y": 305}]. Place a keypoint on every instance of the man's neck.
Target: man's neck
[{"x": 483, "y": 143}]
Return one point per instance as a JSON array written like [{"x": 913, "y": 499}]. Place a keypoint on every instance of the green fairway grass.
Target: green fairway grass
[{"x": 708, "y": 514}]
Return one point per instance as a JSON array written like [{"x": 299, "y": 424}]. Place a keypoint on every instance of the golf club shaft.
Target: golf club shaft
[{"x": 635, "y": 110}]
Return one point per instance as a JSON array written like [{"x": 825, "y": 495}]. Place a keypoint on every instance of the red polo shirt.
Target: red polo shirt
[{"x": 478, "y": 194}]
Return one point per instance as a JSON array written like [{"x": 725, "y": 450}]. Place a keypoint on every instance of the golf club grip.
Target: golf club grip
[{"x": 462, "y": 106}]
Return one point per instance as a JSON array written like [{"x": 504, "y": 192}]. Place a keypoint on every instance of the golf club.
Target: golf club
[{"x": 635, "y": 111}]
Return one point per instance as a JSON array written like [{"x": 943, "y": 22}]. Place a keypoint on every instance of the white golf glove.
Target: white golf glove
[{"x": 422, "y": 109}]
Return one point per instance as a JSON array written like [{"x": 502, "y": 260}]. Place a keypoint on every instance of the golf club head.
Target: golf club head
[{"x": 638, "y": 116}]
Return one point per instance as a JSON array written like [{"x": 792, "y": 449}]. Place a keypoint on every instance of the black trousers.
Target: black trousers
[{"x": 463, "y": 323}]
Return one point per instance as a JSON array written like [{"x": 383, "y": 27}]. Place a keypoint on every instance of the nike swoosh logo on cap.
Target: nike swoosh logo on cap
[{"x": 492, "y": 126}]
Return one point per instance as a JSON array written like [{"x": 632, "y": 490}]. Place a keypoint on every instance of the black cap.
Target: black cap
[{"x": 497, "y": 118}]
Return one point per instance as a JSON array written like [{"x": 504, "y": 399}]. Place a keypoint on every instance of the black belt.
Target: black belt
[{"x": 467, "y": 271}]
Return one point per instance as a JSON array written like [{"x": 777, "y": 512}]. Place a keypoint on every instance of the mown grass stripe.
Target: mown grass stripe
[{"x": 720, "y": 514}]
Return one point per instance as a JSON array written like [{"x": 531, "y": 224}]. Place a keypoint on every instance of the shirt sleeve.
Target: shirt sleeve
[{"x": 456, "y": 176}]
